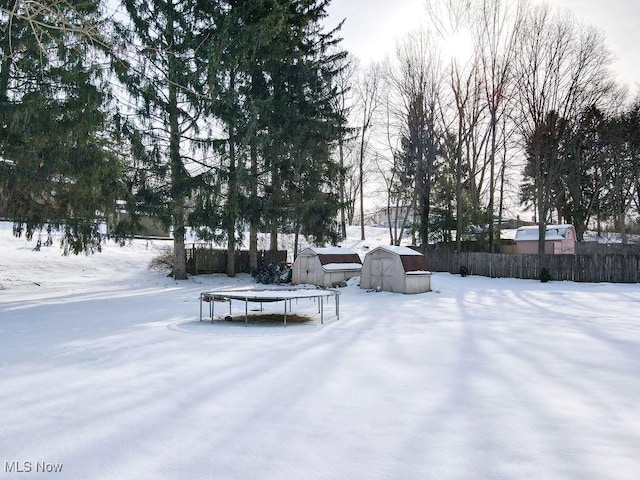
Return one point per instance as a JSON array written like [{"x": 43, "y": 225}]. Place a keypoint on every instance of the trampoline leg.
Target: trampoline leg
[
  {"x": 212, "y": 309},
  {"x": 200, "y": 307},
  {"x": 285, "y": 313},
  {"x": 322, "y": 310},
  {"x": 246, "y": 313}
]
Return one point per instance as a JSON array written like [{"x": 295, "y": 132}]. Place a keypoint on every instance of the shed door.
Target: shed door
[
  {"x": 307, "y": 270},
  {"x": 382, "y": 273}
]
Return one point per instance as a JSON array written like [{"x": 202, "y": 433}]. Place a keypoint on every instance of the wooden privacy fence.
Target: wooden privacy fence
[
  {"x": 204, "y": 259},
  {"x": 616, "y": 268}
]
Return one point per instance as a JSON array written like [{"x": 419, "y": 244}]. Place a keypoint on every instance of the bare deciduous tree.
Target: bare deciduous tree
[
  {"x": 497, "y": 23},
  {"x": 343, "y": 103},
  {"x": 561, "y": 69},
  {"x": 368, "y": 98}
]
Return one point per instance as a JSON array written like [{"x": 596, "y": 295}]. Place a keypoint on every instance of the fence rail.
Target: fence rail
[
  {"x": 615, "y": 268},
  {"x": 204, "y": 259}
]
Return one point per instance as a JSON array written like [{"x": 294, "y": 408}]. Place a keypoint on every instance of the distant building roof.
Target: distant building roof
[{"x": 553, "y": 232}]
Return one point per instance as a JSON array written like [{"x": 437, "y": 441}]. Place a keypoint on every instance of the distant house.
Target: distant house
[
  {"x": 395, "y": 269},
  {"x": 146, "y": 227},
  {"x": 392, "y": 216},
  {"x": 559, "y": 240},
  {"x": 325, "y": 266}
]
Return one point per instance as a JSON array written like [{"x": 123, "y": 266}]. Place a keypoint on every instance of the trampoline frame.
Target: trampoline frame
[{"x": 268, "y": 296}]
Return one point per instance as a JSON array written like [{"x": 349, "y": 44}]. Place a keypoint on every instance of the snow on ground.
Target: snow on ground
[{"x": 106, "y": 371}]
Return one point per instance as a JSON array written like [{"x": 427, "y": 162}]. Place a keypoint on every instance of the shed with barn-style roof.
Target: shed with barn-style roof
[
  {"x": 558, "y": 240},
  {"x": 395, "y": 269},
  {"x": 325, "y": 266}
]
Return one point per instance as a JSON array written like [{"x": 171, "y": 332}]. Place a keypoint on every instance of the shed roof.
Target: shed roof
[
  {"x": 553, "y": 232},
  {"x": 412, "y": 261},
  {"x": 333, "y": 255},
  {"x": 342, "y": 266},
  {"x": 331, "y": 250},
  {"x": 400, "y": 250}
]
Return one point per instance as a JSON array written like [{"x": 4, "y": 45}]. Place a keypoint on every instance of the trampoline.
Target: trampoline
[{"x": 268, "y": 296}]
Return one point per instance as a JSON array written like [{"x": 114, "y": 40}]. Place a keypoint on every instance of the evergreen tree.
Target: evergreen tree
[
  {"x": 167, "y": 141},
  {"x": 620, "y": 167},
  {"x": 580, "y": 183},
  {"x": 269, "y": 77},
  {"x": 56, "y": 169},
  {"x": 303, "y": 125},
  {"x": 236, "y": 47}
]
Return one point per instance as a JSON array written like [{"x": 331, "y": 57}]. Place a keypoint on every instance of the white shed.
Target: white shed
[
  {"x": 395, "y": 269},
  {"x": 325, "y": 266}
]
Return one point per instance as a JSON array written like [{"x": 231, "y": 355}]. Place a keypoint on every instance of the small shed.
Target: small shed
[
  {"x": 395, "y": 269},
  {"x": 325, "y": 266},
  {"x": 558, "y": 240}
]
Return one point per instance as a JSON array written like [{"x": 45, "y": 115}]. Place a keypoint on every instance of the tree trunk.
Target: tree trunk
[
  {"x": 503, "y": 169},
  {"x": 343, "y": 201},
  {"x": 253, "y": 220},
  {"x": 361, "y": 174},
  {"x": 177, "y": 169},
  {"x": 296, "y": 239},
  {"x": 492, "y": 169},
  {"x": 459, "y": 203},
  {"x": 621, "y": 211},
  {"x": 179, "y": 251},
  {"x": 231, "y": 208},
  {"x": 232, "y": 195},
  {"x": 391, "y": 237},
  {"x": 542, "y": 219}
]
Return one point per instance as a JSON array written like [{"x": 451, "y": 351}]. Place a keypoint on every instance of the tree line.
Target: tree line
[
  {"x": 530, "y": 113},
  {"x": 217, "y": 115},
  {"x": 228, "y": 116}
]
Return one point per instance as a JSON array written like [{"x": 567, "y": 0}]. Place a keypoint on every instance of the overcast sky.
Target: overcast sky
[{"x": 373, "y": 26}]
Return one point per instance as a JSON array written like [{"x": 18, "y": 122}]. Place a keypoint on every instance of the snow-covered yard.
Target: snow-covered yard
[{"x": 106, "y": 373}]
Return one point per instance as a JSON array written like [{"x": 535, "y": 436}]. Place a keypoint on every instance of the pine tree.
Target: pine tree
[
  {"x": 269, "y": 77},
  {"x": 166, "y": 85},
  {"x": 303, "y": 125},
  {"x": 56, "y": 169}
]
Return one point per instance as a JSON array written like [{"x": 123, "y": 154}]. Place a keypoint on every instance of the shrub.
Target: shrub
[
  {"x": 545, "y": 275},
  {"x": 163, "y": 261},
  {"x": 276, "y": 272}
]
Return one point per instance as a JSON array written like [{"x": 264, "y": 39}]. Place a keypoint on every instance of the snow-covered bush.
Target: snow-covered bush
[{"x": 163, "y": 261}]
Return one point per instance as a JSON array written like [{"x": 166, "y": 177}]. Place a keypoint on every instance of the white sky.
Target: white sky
[{"x": 373, "y": 26}]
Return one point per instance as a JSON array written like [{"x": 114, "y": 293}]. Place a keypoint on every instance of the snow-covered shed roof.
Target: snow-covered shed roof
[
  {"x": 342, "y": 266},
  {"x": 335, "y": 255},
  {"x": 399, "y": 250},
  {"x": 412, "y": 261},
  {"x": 553, "y": 232}
]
